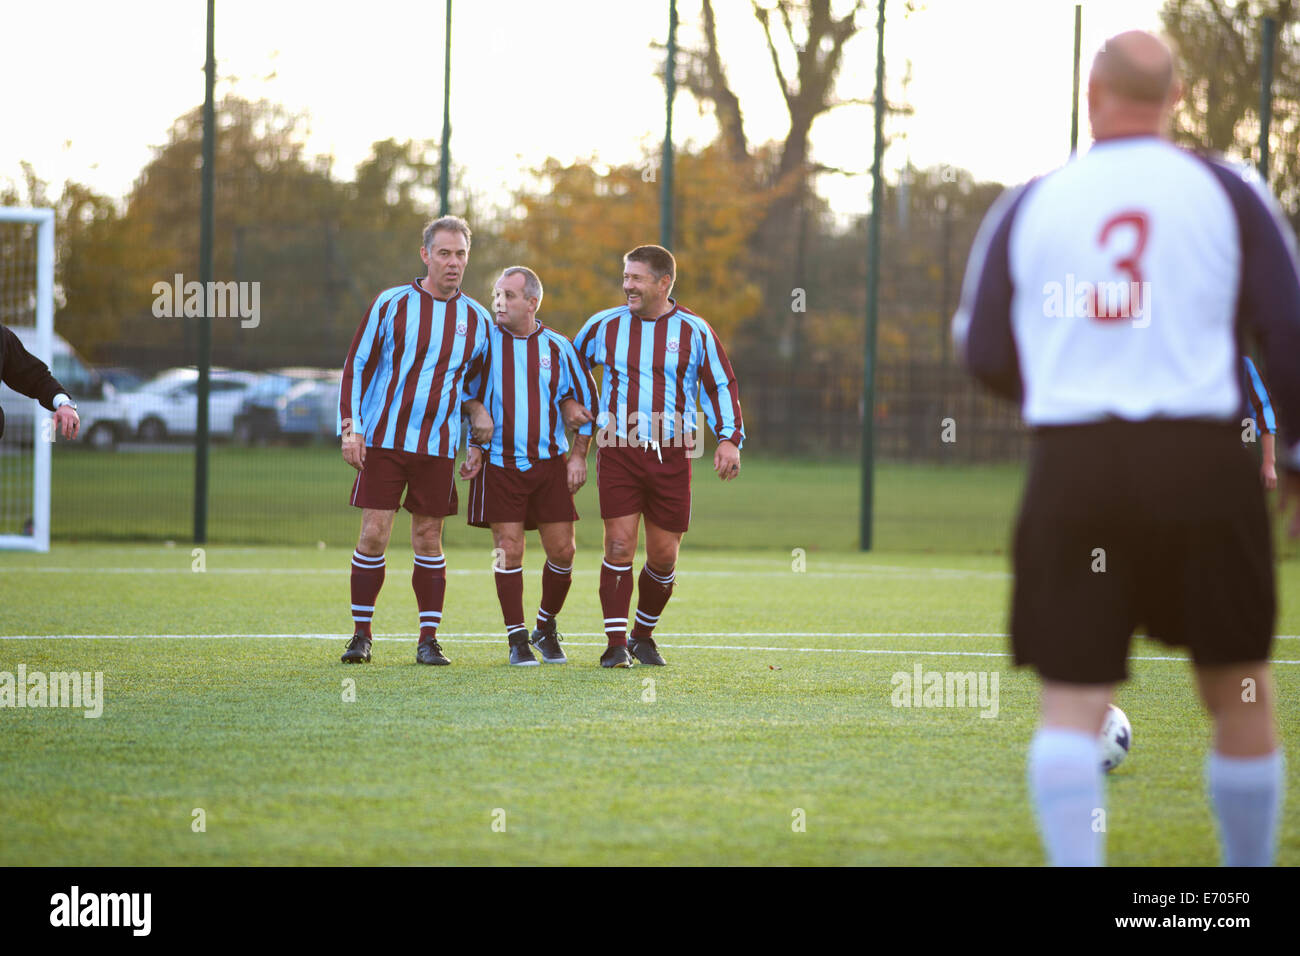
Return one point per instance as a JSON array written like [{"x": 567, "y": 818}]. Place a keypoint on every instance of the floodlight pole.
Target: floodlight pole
[
  {"x": 1267, "y": 33},
  {"x": 670, "y": 82},
  {"x": 1074, "y": 104},
  {"x": 873, "y": 292},
  {"x": 205, "y": 277},
  {"x": 444, "y": 164}
]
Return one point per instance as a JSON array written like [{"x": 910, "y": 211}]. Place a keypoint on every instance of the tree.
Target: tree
[
  {"x": 575, "y": 222},
  {"x": 805, "y": 42},
  {"x": 320, "y": 248},
  {"x": 1218, "y": 46}
]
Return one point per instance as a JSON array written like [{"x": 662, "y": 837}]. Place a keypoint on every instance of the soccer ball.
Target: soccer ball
[{"x": 1116, "y": 738}]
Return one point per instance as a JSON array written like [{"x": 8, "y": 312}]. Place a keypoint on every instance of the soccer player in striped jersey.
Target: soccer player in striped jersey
[
  {"x": 658, "y": 356},
  {"x": 399, "y": 418},
  {"x": 525, "y": 478},
  {"x": 1141, "y": 507},
  {"x": 1259, "y": 410}
]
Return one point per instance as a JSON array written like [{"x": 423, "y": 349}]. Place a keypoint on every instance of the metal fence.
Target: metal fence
[{"x": 926, "y": 411}]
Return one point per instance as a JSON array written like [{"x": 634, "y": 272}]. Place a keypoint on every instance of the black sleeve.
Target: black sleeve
[
  {"x": 1268, "y": 302},
  {"x": 25, "y": 373}
]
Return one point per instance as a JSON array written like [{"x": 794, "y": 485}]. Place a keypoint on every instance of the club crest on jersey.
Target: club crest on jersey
[
  {"x": 672, "y": 345},
  {"x": 461, "y": 328},
  {"x": 544, "y": 361}
]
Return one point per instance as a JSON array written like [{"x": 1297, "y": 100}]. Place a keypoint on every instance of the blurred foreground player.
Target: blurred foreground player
[
  {"x": 526, "y": 478},
  {"x": 399, "y": 417},
  {"x": 1141, "y": 506},
  {"x": 658, "y": 356}
]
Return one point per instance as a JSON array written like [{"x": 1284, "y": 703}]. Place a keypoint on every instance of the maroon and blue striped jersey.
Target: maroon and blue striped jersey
[
  {"x": 403, "y": 381},
  {"x": 655, "y": 370},
  {"x": 522, "y": 385}
]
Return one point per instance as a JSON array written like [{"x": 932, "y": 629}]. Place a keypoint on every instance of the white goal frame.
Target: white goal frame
[{"x": 43, "y": 219}]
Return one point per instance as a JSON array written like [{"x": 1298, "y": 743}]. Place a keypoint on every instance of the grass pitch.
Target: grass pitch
[
  {"x": 769, "y": 739},
  {"x": 298, "y": 496}
]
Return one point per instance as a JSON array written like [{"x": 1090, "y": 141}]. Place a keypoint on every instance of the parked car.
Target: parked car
[
  {"x": 100, "y": 406},
  {"x": 296, "y": 405},
  {"x": 168, "y": 405},
  {"x": 122, "y": 379}
]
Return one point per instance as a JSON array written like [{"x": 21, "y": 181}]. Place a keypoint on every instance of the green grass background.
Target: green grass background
[
  {"x": 770, "y": 704},
  {"x": 255, "y": 731},
  {"x": 299, "y": 496}
]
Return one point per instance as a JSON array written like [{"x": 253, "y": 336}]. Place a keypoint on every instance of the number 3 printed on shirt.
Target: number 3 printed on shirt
[{"x": 1127, "y": 306}]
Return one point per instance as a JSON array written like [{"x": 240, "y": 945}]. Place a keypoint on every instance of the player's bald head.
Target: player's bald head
[{"x": 1135, "y": 66}]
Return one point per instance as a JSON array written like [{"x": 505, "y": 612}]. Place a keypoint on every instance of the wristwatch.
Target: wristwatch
[{"x": 69, "y": 404}]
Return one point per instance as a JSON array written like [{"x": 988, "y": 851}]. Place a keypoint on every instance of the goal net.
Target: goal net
[{"x": 27, "y": 307}]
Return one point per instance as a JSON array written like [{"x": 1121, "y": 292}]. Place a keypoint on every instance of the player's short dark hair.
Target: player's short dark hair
[
  {"x": 446, "y": 224},
  {"x": 659, "y": 259}
]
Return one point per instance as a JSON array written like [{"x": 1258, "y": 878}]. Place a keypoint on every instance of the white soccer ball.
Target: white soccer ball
[{"x": 1116, "y": 738}]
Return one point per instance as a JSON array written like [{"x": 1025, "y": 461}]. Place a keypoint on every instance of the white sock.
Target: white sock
[
  {"x": 1246, "y": 793},
  {"x": 1065, "y": 781}
]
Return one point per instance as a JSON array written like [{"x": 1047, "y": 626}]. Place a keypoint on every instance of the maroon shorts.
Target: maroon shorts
[
  {"x": 632, "y": 480},
  {"x": 429, "y": 482},
  {"x": 539, "y": 495}
]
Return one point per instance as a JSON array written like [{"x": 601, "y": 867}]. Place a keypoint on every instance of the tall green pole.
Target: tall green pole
[
  {"x": 670, "y": 83},
  {"x": 444, "y": 164},
  {"x": 1267, "y": 32},
  {"x": 205, "y": 276},
  {"x": 873, "y": 291},
  {"x": 1074, "y": 108}
]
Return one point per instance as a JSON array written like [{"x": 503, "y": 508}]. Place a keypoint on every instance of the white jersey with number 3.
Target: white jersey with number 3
[{"x": 1117, "y": 286}]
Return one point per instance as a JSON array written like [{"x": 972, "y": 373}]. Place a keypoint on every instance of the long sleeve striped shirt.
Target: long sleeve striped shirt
[
  {"x": 655, "y": 371},
  {"x": 522, "y": 386},
  {"x": 403, "y": 380}
]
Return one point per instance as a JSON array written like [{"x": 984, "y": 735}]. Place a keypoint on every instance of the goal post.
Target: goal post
[{"x": 26, "y": 303}]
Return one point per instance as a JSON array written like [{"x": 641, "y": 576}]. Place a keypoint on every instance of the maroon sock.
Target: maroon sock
[
  {"x": 555, "y": 588},
  {"x": 510, "y": 593},
  {"x": 615, "y": 596},
  {"x": 429, "y": 580},
  {"x": 367, "y": 579},
  {"x": 654, "y": 588}
]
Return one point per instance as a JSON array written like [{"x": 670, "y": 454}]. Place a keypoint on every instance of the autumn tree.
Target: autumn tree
[
  {"x": 1219, "y": 53},
  {"x": 320, "y": 247},
  {"x": 576, "y": 221},
  {"x": 805, "y": 43}
]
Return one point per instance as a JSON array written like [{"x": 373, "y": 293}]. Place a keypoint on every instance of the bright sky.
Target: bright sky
[{"x": 569, "y": 78}]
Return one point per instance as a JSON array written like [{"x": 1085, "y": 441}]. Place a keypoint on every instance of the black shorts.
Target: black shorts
[{"x": 1175, "y": 513}]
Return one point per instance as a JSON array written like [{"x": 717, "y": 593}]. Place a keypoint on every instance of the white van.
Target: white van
[{"x": 103, "y": 413}]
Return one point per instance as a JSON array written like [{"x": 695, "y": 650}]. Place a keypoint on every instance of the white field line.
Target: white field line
[
  {"x": 344, "y": 569},
  {"x": 478, "y": 638},
  {"x": 395, "y": 637}
]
